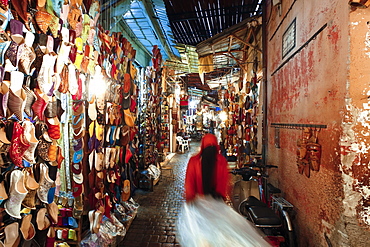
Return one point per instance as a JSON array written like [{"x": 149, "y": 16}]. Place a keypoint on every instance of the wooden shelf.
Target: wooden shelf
[
  {"x": 61, "y": 228},
  {"x": 78, "y": 234},
  {"x": 68, "y": 241}
]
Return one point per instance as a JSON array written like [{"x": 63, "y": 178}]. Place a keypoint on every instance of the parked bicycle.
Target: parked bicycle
[{"x": 270, "y": 215}]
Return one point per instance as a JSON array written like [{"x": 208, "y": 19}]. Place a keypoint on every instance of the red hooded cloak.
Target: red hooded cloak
[{"x": 193, "y": 179}]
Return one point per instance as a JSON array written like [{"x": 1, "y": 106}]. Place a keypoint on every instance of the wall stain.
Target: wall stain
[{"x": 334, "y": 35}]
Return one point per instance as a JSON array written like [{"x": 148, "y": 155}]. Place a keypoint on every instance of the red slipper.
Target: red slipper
[
  {"x": 39, "y": 105},
  {"x": 53, "y": 128},
  {"x": 19, "y": 145},
  {"x": 77, "y": 189},
  {"x": 43, "y": 19},
  {"x": 108, "y": 206}
]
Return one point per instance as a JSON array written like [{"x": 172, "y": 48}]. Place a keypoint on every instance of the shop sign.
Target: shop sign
[{"x": 289, "y": 38}]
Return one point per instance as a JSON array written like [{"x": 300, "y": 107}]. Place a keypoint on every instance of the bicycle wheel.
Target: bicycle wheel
[{"x": 291, "y": 240}]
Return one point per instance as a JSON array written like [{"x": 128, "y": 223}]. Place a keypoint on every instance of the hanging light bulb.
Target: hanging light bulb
[
  {"x": 97, "y": 84},
  {"x": 223, "y": 116}
]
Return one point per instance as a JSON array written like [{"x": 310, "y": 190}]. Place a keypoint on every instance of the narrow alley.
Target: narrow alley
[{"x": 154, "y": 225}]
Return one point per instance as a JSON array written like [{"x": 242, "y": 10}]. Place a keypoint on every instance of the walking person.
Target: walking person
[
  {"x": 206, "y": 220},
  {"x": 205, "y": 169}
]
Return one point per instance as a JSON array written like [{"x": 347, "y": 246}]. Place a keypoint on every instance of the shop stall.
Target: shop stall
[
  {"x": 230, "y": 63},
  {"x": 76, "y": 139}
]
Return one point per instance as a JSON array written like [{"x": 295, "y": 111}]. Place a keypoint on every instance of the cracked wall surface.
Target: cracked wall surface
[{"x": 324, "y": 80}]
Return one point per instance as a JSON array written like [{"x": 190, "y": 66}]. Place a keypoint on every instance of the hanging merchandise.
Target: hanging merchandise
[
  {"x": 163, "y": 145},
  {"x": 184, "y": 102},
  {"x": 238, "y": 120},
  {"x": 308, "y": 151},
  {"x": 154, "y": 122}
]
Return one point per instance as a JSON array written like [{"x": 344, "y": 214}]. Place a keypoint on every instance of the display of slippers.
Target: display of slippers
[
  {"x": 78, "y": 207},
  {"x": 43, "y": 19},
  {"x": 60, "y": 157},
  {"x": 77, "y": 189},
  {"x": 79, "y": 53},
  {"x": 53, "y": 211},
  {"x": 51, "y": 108},
  {"x": 42, "y": 220},
  {"x": 91, "y": 216},
  {"x": 11, "y": 232},
  {"x": 17, "y": 192},
  {"x": 45, "y": 183},
  {"x": 92, "y": 112},
  {"x": 129, "y": 117},
  {"x": 50, "y": 237},
  {"x": 79, "y": 132},
  {"x": 32, "y": 186},
  {"x": 78, "y": 156},
  {"x": 30, "y": 99},
  {"x": 19, "y": 144},
  {"x": 52, "y": 152},
  {"x": 98, "y": 216},
  {"x": 56, "y": 57},
  {"x": 16, "y": 103},
  {"x": 54, "y": 129},
  {"x": 40, "y": 104},
  {"x": 26, "y": 56}
]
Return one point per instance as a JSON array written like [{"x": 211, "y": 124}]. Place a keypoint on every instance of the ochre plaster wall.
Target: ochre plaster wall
[{"x": 326, "y": 82}]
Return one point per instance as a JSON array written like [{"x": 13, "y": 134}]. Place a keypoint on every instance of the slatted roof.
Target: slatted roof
[
  {"x": 236, "y": 51},
  {"x": 193, "y": 21},
  {"x": 147, "y": 20}
]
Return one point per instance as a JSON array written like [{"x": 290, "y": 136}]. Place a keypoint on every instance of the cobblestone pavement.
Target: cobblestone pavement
[{"x": 154, "y": 225}]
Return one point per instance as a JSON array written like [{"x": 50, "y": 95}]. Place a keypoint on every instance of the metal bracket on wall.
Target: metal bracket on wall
[{"x": 297, "y": 126}]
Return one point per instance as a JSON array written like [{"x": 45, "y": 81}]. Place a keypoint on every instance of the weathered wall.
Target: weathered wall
[{"x": 326, "y": 82}]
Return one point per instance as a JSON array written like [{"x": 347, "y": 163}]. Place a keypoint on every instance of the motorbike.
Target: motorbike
[
  {"x": 196, "y": 135},
  {"x": 272, "y": 215}
]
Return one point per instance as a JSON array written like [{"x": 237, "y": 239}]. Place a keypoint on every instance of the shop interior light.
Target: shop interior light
[
  {"x": 170, "y": 101},
  {"x": 193, "y": 103},
  {"x": 223, "y": 116},
  {"x": 177, "y": 89},
  {"x": 97, "y": 85}
]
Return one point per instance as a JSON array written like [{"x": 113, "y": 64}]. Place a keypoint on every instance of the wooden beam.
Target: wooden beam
[
  {"x": 230, "y": 43},
  {"x": 237, "y": 61},
  {"x": 248, "y": 44},
  {"x": 224, "y": 52}
]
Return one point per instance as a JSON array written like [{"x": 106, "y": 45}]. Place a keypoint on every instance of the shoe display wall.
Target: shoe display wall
[{"x": 68, "y": 123}]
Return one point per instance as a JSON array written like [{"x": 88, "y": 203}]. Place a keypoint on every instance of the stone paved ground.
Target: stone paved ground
[{"x": 154, "y": 225}]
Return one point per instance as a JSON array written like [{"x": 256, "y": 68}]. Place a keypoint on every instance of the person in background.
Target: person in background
[
  {"x": 180, "y": 133},
  {"x": 223, "y": 149},
  {"x": 207, "y": 172},
  {"x": 212, "y": 127}
]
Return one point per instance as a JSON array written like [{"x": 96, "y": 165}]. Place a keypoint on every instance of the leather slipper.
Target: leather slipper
[
  {"x": 11, "y": 232},
  {"x": 27, "y": 228},
  {"x": 42, "y": 220}
]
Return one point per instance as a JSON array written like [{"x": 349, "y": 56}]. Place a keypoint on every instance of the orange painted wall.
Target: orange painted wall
[{"x": 326, "y": 82}]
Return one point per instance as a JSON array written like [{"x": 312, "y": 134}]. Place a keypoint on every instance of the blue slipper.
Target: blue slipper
[
  {"x": 72, "y": 222},
  {"x": 3, "y": 48},
  {"x": 112, "y": 135},
  {"x": 51, "y": 194},
  {"x": 77, "y": 156}
]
